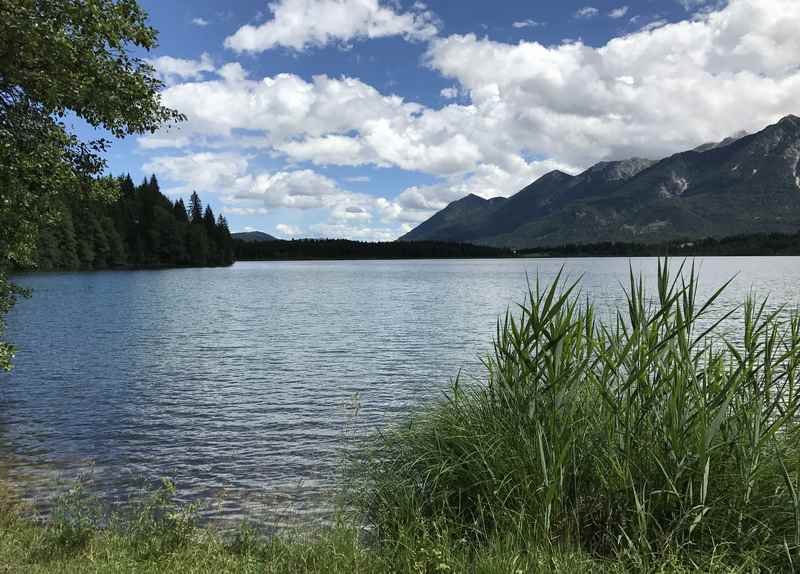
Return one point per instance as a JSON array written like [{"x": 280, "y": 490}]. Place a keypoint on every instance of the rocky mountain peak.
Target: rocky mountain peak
[{"x": 618, "y": 170}]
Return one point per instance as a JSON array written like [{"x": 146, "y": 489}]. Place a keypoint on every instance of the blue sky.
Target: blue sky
[{"x": 361, "y": 118}]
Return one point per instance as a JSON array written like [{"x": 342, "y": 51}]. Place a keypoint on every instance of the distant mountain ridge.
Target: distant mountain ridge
[
  {"x": 253, "y": 236},
  {"x": 744, "y": 184}
]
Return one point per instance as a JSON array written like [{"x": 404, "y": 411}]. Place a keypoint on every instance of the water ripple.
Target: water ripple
[{"x": 242, "y": 379}]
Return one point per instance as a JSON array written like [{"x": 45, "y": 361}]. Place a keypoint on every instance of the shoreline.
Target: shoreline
[{"x": 23, "y": 272}]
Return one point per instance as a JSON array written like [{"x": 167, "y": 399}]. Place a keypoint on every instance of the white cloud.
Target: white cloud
[
  {"x": 299, "y": 24},
  {"x": 527, "y": 24},
  {"x": 618, "y": 12},
  {"x": 283, "y": 106},
  {"x": 229, "y": 209},
  {"x": 202, "y": 22},
  {"x": 205, "y": 171},
  {"x": 327, "y": 122},
  {"x": 172, "y": 69},
  {"x": 587, "y": 12},
  {"x": 327, "y": 150},
  {"x": 252, "y": 192},
  {"x": 163, "y": 140},
  {"x": 358, "y": 179},
  {"x": 449, "y": 93},
  {"x": 299, "y": 189},
  {"x": 654, "y": 24},
  {"x": 703, "y": 5},
  {"x": 648, "y": 93},
  {"x": 416, "y": 203},
  {"x": 288, "y": 230},
  {"x": 345, "y": 231}
]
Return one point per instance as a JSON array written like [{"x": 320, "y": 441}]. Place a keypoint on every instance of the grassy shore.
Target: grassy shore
[
  {"x": 162, "y": 540},
  {"x": 644, "y": 443}
]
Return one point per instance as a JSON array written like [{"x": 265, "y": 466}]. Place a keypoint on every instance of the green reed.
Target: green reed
[{"x": 645, "y": 435}]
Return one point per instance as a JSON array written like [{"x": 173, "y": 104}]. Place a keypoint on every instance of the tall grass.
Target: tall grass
[{"x": 645, "y": 435}]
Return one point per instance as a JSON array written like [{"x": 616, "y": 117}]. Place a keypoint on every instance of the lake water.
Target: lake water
[{"x": 242, "y": 380}]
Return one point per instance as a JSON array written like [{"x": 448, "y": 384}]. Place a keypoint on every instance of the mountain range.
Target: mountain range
[{"x": 744, "y": 184}]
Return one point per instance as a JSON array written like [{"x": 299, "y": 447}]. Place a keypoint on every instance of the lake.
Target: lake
[{"x": 240, "y": 383}]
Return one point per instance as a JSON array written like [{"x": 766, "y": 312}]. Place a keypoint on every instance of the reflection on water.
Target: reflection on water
[{"x": 241, "y": 380}]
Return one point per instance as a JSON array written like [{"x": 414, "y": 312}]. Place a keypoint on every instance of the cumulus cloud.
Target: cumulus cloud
[
  {"x": 202, "y": 22},
  {"x": 300, "y": 24},
  {"x": 233, "y": 210},
  {"x": 345, "y": 231},
  {"x": 299, "y": 189},
  {"x": 647, "y": 93},
  {"x": 523, "y": 109},
  {"x": 247, "y": 191},
  {"x": 288, "y": 230},
  {"x": 449, "y": 93},
  {"x": 282, "y": 106},
  {"x": 654, "y": 24},
  {"x": 418, "y": 202},
  {"x": 205, "y": 171},
  {"x": 618, "y": 12},
  {"x": 172, "y": 69},
  {"x": 326, "y": 121}
]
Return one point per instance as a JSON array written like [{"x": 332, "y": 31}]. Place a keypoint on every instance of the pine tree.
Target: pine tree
[
  {"x": 68, "y": 255},
  {"x": 195, "y": 209},
  {"x": 152, "y": 185},
  {"x": 126, "y": 187},
  {"x": 100, "y": 243},
  {"x": 142, "y": 227},
  {"x": 117, "y": 256},
  {"x": 226, "y": 241},
  {"x": 197, "y": 243},
  {"x": 209, "y": 221},
  {"x": 179, "y": 209},
  {"x": 48, "y": 249}
]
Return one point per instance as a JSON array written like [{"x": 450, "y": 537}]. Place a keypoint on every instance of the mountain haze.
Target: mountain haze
[{"x": 744, "y": 184}]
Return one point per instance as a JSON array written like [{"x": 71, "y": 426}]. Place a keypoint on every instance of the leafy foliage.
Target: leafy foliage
[{"x": 61, "y": 59}]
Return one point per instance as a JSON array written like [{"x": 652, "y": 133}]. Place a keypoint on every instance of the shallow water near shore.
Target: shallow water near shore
[{"x": 243, "y": 383}]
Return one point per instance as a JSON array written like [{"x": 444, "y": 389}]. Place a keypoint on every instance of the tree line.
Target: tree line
[
  {"x": 298, "y": 249},
  {"x": 140, "y": 228},
  {"x": 750, "y": 244}
]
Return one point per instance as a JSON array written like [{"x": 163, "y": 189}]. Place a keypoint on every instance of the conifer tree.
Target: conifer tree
[
  {"x": 126, "y": 187},
  {"x": 209, "y": 221},
  {"x": 152, "y": 185},
  {"x": 179, "y": 210},
  {"x": 195, "y": 209},
  {"x": 141, "y": 228}
]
